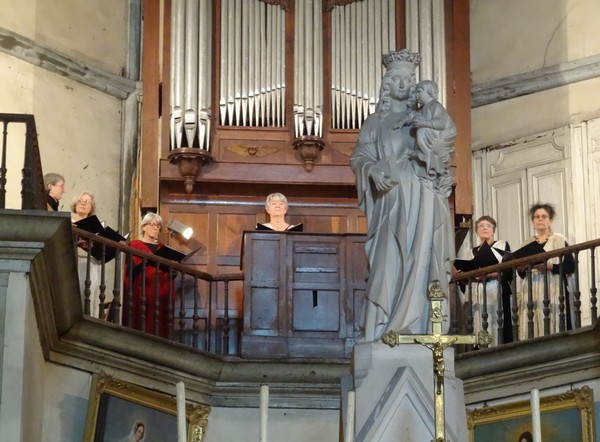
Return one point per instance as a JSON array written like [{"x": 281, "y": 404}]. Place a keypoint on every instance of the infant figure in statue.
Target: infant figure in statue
[{"x": 435, "y": 136}]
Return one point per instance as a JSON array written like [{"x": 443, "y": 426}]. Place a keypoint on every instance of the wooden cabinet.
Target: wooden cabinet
[{"x": 302, "y": 293}]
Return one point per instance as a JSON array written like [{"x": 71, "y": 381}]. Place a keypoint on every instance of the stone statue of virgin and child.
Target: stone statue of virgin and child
[{"x": 402, "y": 163}]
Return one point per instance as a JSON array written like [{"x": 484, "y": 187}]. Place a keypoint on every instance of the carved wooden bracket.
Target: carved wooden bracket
[
  {"x": 189, "y": 160},
  {"x": 309, "y": 148}
]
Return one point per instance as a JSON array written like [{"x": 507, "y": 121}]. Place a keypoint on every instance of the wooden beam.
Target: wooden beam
[
  {"x": 149, "y": 146},
  {"x": 459, "y": 99}
]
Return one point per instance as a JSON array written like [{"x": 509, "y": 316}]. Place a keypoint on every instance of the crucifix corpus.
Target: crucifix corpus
[{"x": 437, "y": 343}]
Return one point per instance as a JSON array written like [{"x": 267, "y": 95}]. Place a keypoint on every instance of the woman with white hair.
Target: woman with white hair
[
  {"x": 83, "y": 206},
  {"x": 276, "y": 206},
  {"x": 143, "y": 285}
]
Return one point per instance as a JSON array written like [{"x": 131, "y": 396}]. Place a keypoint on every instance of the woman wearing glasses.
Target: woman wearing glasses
[
  {"x": 142, "y": 284},
  {"x": 542, "y": 216},
  {"x": 497, "y": 286},
  {"x": 84, "y": 206}
]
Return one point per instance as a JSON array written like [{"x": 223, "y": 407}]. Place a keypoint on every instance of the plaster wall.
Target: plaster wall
[
  {"x": 91, "y": 31},
  {"x": 506, "y": 121},
  {"x": 79, "y": 128},
  {"x": 291, "y": 425},
  {"x": 65, "y": 403},
  {"x": 510, "y": 38}
]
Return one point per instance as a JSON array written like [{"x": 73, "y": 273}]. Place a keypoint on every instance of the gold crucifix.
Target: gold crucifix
[{"x": 437, "y": 343}]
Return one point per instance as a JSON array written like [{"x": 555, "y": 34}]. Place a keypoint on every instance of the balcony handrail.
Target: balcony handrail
[
  {"x": 33, "y": 195},
  {"x": 158, "y": 259},
  {"x": 474, "y": 303},
  {"x": 210, "y": 299},
  {"x": 186, "y": 311},
  {"x": 523, "y": 262}
]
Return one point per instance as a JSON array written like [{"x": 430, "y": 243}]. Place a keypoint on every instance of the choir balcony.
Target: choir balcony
[
  {"x": 205, "y": 340},
  {"x": 303, "y": 294}
]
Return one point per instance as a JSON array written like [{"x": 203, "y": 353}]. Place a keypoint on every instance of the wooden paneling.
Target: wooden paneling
[
  {"x": 219, "y": 222},
  {"x": 301, "y": 292}
]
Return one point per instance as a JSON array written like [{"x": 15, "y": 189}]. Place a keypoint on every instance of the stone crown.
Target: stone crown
[{"x": 401, "y": 58}]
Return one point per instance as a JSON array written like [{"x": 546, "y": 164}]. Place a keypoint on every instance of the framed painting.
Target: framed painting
[
  {"x": 122, "y": 412},
  {"x": 564, "y": 417}
]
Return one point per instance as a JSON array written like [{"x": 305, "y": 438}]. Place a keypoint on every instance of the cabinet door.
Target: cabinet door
[
  {"x": 316, "y": 284},
  {"x": 265, "y": 271},
  {"x": 514, "y": 178}
]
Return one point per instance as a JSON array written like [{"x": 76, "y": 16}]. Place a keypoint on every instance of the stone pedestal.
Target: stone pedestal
[{"x": 395, "y": 394}]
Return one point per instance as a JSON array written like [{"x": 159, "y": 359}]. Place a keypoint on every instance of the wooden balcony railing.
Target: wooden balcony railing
[
  {"x": 198, "y": 309},
  {"x": 201, "y": 312},
  {"x": 519, "y": 271},
  {"x": 32, "y": 178}
]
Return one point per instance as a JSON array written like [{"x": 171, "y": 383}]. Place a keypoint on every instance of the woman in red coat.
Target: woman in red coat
[{"x": 145, "y": 289}]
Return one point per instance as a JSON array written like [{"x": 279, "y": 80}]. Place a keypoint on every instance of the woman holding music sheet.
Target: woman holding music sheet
[
  {"x": 142, "y": 285},
  {"x": 84, "y": 206},
  {"x": 542, "y": 216},
  {"x": 276, "y": 206},
  {"x": 497, "y": 286}
]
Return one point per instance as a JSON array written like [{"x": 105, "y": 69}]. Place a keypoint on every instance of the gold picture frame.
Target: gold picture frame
[
  {"x": 116, "y": 408},
  {"x": 564, "y": 416}
]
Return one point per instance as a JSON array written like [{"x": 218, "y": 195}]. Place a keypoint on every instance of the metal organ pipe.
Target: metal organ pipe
[
  {"x": 252, "y": 62},
  {"x": 191, "y": 71},
  {"x": 205, "y": 75},
  {"x": 425, "y": 34},
  {"x": 177, "y": 59},
  {"x": 308, "y": 73},
  {"x": 253, "y": 70},
  {"x": 190, "y": 74}
]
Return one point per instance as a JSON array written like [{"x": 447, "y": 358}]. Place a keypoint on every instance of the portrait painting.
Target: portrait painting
[
  {"x": 564, "y": 417},
  {"x": 119, "y": 411}
]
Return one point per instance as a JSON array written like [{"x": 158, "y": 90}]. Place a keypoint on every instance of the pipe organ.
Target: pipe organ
[{"x": 252, "y": 60}]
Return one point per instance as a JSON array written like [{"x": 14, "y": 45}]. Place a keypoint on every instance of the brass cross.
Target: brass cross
[{"x": 437, "y": 343}]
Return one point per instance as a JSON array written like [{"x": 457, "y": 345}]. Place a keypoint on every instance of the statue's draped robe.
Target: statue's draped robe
[{"x": 409, "y": 241}]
